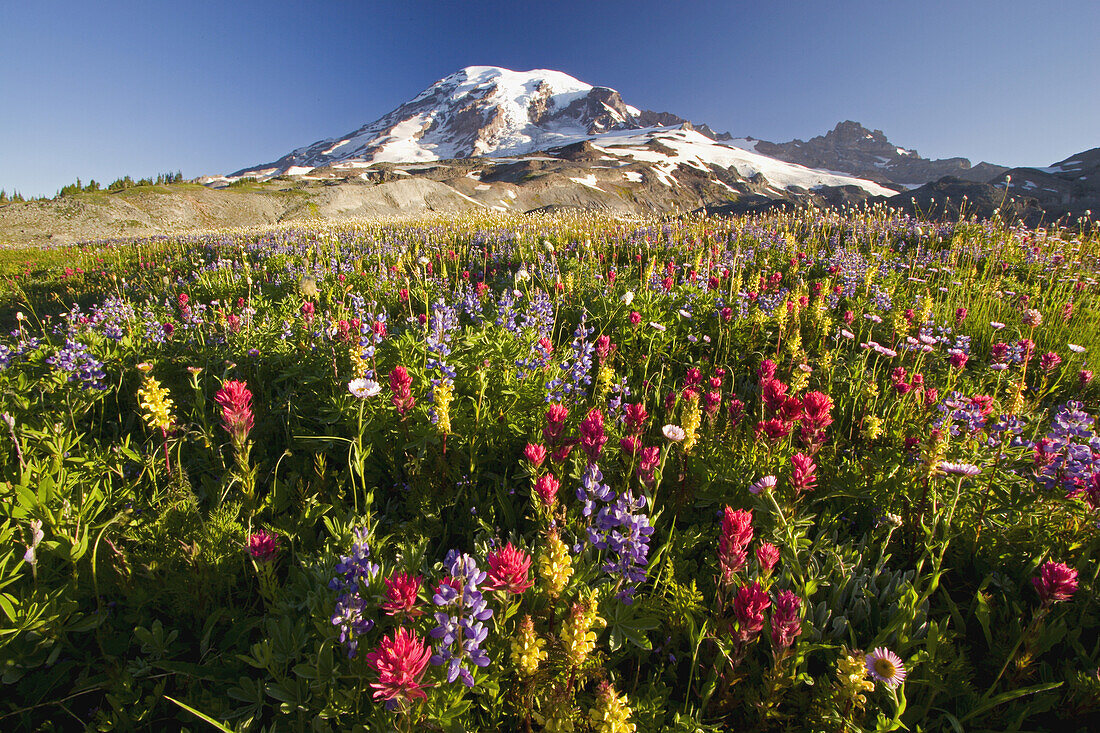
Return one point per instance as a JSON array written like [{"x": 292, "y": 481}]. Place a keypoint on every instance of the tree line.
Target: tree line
[{"x": 119, "y": 184}]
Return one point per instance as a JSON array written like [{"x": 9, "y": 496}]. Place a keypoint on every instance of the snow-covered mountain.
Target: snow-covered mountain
[
  {"x": 480, "y": 110},
  {"x": 491, "y": 112}
]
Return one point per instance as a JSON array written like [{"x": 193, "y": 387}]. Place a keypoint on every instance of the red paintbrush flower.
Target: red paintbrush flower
[
  {"x": 400, "y": 662},
  {"x": 509, "y": 570},
  {"x": 1056, "y": 581},
  {"x": 235, "y": 400},
  {"x": 401, "y": 594},
  {"x": 803, "y": 470},
  {"x": 733, "y": 541}
]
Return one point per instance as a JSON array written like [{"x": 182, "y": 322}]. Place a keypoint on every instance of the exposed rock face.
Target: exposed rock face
[
  {"x": 532, "y": 139},
  {"x": 478, "y": 111},
  {"x": 950, "y": 198},
  {"x": 1064, "y": 191},
  {"x": 852, "y": 148},
  {"x": 1069, "y": 188}
]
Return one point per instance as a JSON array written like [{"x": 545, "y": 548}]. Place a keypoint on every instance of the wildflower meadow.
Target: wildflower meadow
[{"x": 815, "y": 471}]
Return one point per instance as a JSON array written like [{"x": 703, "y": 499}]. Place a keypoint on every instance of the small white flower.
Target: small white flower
[
  {"x": 674, "y": 433},
  {"x": 522, "y": 275},
  {"x": 423, "y": 260},
  {"x": 31, "y": 556},
  {"x": 1077, "y": 349},
  {"x": 656, "y": 326},
  {"x": 628, "y": 297},
  {"x": 19, "y": 315},
  {"x": 549, "y": 247},
  {"x": 364, "y": 388},
  {"x": 684, "y": 314},
  {"x": 997, "y": 325}
]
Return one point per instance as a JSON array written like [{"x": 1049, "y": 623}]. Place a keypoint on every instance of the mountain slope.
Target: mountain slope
[
  {"x": 479, "y": 110},
  {"x": 487, "y": 111},
  {"x": 852, "y": 148}
]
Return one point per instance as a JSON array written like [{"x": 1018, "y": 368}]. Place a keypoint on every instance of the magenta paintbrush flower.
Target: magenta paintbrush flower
[
  {"x": 803, "y": 473},
  {"x": 400, "y": 662},
  {"x": 734, "y": 541},
  {"x": 1056, "y": 581},
  {"x": 401, "y": 386},
  {"x": 749, "y": 606},
  {"x": 509, "y": 570},
  {"x": 535, "y": 453},
  {"x": 785, "y": 622},
  {"x": 401, "y": 594},
  {"x": 263, "y": 546},
  {"x": 235, "y": 399}
]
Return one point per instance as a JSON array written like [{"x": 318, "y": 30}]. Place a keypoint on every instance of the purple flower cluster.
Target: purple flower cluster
[
  {"x": 959, "y": 414},
  {"x": 1073, "y": 446},
  {"x": 617, "y": 527},
  {"x": 577, "y": 368},
  {"x": 623, "y": 531},
  {"x": 592, "y": 489},
  {"x": 460, "y": 630},
  {"x": 471, "y": 303},
  {"x": 437, "y": 337},
  {"x": 74, "y": 360},
  {"x": 506, "y": 311},
  {"x": 540, "y": 315},
  {"x": 354, "y": 573}
]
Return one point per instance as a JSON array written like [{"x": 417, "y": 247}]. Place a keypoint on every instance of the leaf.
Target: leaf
[
  {"x": 982, "y": 613},
  {"x": 1008, "y": 697},
  {"x": 200, "y": 716},
  {"x": 7, "y": 606}
]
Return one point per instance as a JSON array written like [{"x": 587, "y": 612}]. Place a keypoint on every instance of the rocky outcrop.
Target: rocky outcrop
[{"x": 852, "y": 148}]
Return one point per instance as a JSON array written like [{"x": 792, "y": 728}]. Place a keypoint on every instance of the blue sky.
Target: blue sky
[{"x": 100, "y": 90}]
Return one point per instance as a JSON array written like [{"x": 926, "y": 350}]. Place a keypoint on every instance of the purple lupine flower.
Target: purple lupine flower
[
  {"x": 506, "y": 311},
  {"x": 592, "y": 489},
  {"x": 460, "y": 629},
  {"x": 619, "y": 529},
  {"x": 1071, "y": 447},
  {"x": 577, "y": 367},
  {"x": 354, "y": 573},
  {"x": 79, "y": 364}
]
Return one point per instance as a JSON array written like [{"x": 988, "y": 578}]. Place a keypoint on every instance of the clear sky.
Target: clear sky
[{"x": 100, "y": 90}]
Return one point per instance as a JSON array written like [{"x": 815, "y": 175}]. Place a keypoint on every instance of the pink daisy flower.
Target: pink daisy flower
[{"x": 886, "y": 667}]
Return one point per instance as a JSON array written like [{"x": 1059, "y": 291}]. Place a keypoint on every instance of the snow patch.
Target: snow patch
[{"x": 589, "y": 180}]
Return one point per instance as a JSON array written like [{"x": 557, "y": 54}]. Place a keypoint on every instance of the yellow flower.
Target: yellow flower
[
  {"x": 611, "y": 714},
  {"x": 577, "y": 632},
  {"x": 155, "y": 403},
  {"x": 851, "y": 670},
  {"x": 693, "y": 415},
  {"x": 443, "y": 394},
  {"x": 555, "y": 565},
  {"x": 603, "y": 382},
  {"x": 359, "y": 365},
  {"x": 527, "y": 649}
]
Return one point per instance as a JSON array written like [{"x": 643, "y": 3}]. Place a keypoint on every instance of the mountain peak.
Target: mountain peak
[
  {"x": 478, "y": 110},
  {"x": 852, "y": 148}
]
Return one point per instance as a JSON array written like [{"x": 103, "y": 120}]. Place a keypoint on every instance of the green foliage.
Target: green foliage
[{"x": 189, "y": 575}]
